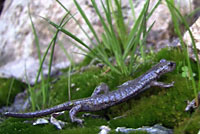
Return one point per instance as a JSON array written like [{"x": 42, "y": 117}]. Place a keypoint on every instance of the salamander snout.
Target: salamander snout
[
  {"x": 165, "y": 66},
  {"x": 168, "y": 65}
]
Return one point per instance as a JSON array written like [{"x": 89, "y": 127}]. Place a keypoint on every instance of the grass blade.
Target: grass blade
[
  {"x": 121, "y": 28},
  {"x": 10, "y": 89},
  {"x": 39, "y": 56},
  {"x": 174, "y": 12},
  {"x": 77, "y": 22},
  {"x": 87, "y": 21},
  {"x": 132, "y": 9}
]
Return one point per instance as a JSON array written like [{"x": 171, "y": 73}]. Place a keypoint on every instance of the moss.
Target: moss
[
  {"x": 19, "y": 126},
  {"x": 85, "y": 61},
  {"x": 84, "y": 84},
  {"x": 189, "y": 125},
  {"x": 9, "y": 88},
  {"x": 156, "y": 105},
  {"x": 165, "y": 106}
]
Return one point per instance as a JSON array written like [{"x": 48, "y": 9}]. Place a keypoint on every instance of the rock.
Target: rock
[
  {"x": 104, "y": 130},
  {"x": 18, "y": 52},
  {"x": 57, "y": 123},
  {"x": 21, "y": 103},
  {"x": 1, "y": 5},
  {"x": 156, "y": 129},
  {"x": 195, "y": 29},
  {"x": 40, "y": 121}
]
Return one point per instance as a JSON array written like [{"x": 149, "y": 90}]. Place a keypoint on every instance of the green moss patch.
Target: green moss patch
[
  {"x": 8, "y": 90},
  {"x": 155, "y": 105},
  {"x": 189, "y": 125}
]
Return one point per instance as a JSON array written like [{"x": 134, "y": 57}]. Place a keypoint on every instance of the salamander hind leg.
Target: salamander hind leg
[
  {"x": 102, "y": 88},
  {"x": 161, "y": 84},
  {"x": 73, "y": 112}
]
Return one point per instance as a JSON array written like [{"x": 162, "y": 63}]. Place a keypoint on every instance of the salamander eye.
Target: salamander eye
[{"x": 171, "y": 64}]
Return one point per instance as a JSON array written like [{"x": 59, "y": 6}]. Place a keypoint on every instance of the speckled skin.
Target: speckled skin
[{"x": 102, "y": 101}]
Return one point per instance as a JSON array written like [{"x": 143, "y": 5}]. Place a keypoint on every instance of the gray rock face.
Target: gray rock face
[
  {"x": 18, "y": 51},
  {"x": 195, "y": 30}
]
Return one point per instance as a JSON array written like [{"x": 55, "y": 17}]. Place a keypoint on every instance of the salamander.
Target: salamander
[{"x": 102, "y": 98}]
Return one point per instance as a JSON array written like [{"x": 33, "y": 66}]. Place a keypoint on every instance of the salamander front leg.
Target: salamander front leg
[
  {"x": 73, "y": 112},
  {"x": 102, "y": 88},
  {"x": 161, "y": 84}
]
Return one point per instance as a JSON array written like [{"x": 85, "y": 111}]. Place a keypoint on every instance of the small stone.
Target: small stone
[
  {"x": 58, "y": 123},
  {"x": 77, "y": 89},
  {"x": 156, "y": 129},
  {"x": 104, "y": 130},
  {"x": 40, "y": 121},
  {"x": 73, "y": 85}
]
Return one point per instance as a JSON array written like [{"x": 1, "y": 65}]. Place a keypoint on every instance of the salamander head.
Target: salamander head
[{"x": 164, "y": 66}]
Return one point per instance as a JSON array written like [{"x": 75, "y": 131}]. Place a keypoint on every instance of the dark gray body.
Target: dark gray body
[{"x": 102, "y": 101}]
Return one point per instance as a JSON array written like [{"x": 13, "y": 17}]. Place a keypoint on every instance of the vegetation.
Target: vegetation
[
  {"x": 156, "y": 105},
  {"x": 165, "y": 106},
  {"x": 117, "y": 42},
  {"x": 120, "y": 45},
  {"x": 177, "y": 18},
  {"x": 8, "y": 90}
]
